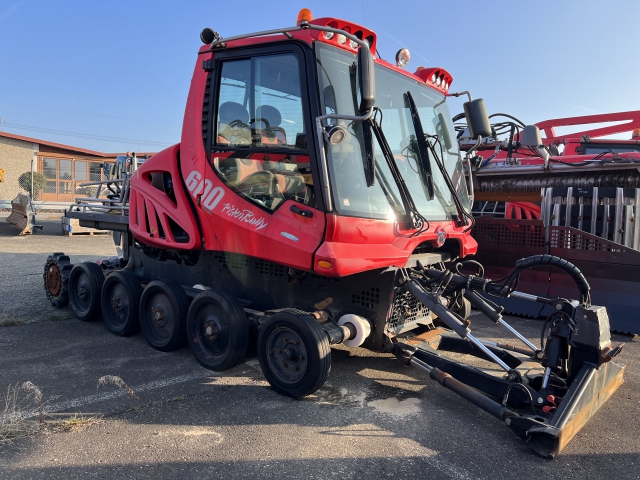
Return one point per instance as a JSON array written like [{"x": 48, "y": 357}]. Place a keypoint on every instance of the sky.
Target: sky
[{"x": 114, "y": 76}]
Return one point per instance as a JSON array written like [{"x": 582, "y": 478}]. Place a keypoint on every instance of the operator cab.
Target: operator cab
[{"x": 312, "y": 126}]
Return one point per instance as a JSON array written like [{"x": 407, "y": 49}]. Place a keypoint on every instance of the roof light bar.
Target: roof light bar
[{"x": 222, "y": 42}]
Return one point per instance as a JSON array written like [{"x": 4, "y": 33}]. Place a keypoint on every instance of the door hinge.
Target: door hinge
[{"x": 207, "y": 65}]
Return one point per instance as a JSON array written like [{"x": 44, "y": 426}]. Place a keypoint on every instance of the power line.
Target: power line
[{"x": 86, "y": 136}]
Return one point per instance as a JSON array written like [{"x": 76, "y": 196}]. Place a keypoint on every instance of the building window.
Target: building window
[
  {"x": 95, "y": 171},
  {"x": 49, "y": 168},
  {"x": 80, "y": 170},
  {"x": 65, "y": 175}
]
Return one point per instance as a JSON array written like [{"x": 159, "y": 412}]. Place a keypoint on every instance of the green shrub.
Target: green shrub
[{"x": 39, "y": 182}]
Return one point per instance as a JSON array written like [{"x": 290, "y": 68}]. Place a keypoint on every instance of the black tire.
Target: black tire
[
  {"x": 217, "y": 330},
  {"x": 57, "y": 269},
  {"x": 163, "y": 312},
  {"x": 294, "y": 353},
  {"x": 120, "y": 300},
  {"x": 85, "y": 287}
]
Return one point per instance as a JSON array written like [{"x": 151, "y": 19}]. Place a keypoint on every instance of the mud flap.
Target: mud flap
[
  {"x": 22, "y": 214},
  {"x": 589, "y": 391}
]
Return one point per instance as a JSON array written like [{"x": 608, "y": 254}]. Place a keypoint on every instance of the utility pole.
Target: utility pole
[{"x": 33, "y": 163}]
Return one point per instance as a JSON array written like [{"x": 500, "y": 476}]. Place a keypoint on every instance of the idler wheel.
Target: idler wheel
[{"x": 294, "y": 353}]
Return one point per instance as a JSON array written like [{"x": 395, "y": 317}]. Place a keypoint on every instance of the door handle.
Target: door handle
[{"x": 301, "y": 212}]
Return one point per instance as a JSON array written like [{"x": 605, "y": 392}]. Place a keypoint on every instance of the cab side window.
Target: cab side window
[
  {"x": 260, "y": 103},
  {"x": 260, "y": 138}
]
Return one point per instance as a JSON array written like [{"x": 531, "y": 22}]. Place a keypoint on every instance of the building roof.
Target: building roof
[{"x": 83, "y": 151}]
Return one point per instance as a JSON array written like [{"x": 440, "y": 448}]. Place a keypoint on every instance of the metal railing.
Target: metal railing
[
  {"x": 607, "y": 212},
  {"x": 40, "y": 205}
]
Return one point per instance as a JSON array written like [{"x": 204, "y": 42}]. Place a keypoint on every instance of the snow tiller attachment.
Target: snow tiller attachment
[{"x": 545, "y": 394}]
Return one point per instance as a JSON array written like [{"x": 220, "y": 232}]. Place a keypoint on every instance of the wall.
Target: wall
[{"x": 15, "y": 158}]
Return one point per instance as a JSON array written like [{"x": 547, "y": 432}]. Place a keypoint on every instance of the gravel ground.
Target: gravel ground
[{"x": 374, "y": 417}]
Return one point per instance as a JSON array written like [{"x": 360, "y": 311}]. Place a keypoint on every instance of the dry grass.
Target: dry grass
[
  {"x": 17, "y": 400},
  {"x": 117, "y": 381},
  {"x": 9, "y": 320},
  {"x": 78, "y": 422}
]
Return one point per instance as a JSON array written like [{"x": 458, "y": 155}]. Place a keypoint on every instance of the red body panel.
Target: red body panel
[
  {"x": 354, "y": 245},
  {"x": 148, "y": 204},
  {"x": 236, "y": 225}
]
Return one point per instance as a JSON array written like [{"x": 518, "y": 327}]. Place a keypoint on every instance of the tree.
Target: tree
[{"x": 39, "y": 182}]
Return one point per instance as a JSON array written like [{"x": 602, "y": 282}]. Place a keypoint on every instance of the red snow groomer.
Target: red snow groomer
[
  {"x": 313, "y": 200},
  {"x": 576, "y": 196}
]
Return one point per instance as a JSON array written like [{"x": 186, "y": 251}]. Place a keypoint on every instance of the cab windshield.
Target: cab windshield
[{"x": 347, "y": 166}]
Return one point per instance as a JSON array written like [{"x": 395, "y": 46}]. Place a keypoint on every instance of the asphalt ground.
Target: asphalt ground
[{"x": 374, "y": 417}]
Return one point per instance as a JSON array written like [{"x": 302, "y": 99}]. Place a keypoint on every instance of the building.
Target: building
[{"x": 65, "y": 167}]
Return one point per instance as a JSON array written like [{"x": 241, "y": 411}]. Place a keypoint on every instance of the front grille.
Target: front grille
[
  {"x": 232, "y": 262},
  {"x": 265, "y": 267},
  {"x": 406, "y": 309}
]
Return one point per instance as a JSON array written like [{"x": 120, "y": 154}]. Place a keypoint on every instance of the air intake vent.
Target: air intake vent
[{"x": 368, "y": 299}]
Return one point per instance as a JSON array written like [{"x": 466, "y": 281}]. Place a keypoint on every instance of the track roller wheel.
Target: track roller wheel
[
  {"x": 56, "y": 279},
  {"x": 294, "y": 353},
  {"x": 163, "y": 311},
  {"x": 217, "y": 330},
  {"x": 120, "y": 300},
  {"x": 85, "y": 286}
]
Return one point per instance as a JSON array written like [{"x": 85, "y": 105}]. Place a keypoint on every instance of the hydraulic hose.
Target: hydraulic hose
[
  {"x": 504, "y": 286},
  {"x": 561, "y": 264}
]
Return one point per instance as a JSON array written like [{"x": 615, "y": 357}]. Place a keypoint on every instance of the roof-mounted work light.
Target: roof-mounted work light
[
  {"x": 209, "y": 36},
  {"x": 402, "y": 57}
]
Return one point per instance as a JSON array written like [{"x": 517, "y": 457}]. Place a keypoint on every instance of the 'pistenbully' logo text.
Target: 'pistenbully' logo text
[{"x": 246, "y": 216}]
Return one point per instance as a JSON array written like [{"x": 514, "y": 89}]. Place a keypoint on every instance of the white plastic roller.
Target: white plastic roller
[{"x": 362, "y": 326}]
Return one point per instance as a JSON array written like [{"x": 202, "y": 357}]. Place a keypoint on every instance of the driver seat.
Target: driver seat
[{"x": 232, "y": 124}]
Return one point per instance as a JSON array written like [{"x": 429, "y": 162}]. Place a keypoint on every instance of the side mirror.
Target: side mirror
[
  {"x": 366, "y": 79},
  {"x": 107, "y": 169},
  {"x": 477, "y": 118},
  {"x": 530, "y": 136}
]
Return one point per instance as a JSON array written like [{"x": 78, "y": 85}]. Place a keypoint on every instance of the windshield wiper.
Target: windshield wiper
[
  {"x": 412, "y": 216},
  {"x": 421, "y": 143},
  {"x": 429, "y": 149}
]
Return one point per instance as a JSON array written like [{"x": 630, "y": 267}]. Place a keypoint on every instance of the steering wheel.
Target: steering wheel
[
  {"x": 238, "y": 124},
  {"x": 267, "y": 126},
  {"x": 229, "y": 136},
  {"x": 254, "y": 184}
]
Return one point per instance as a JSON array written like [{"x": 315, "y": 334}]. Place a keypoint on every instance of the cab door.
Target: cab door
[{"x": 257, "y": 192}]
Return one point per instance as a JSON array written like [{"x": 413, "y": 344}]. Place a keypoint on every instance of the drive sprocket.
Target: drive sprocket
[{"x": 56, "y": 279}]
